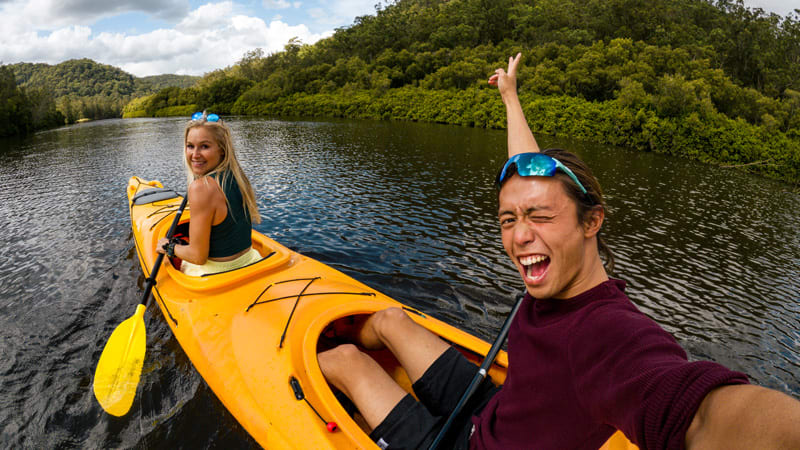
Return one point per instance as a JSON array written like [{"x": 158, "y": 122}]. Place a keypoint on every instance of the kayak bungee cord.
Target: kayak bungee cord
[
  {"x": 160, "y": 194},
  {"x": 160, "y": 210},
  {"x": 256, "y": 302},
  {"x": 300, "y": 395},
  {"x": 297, "y": 301},
  {"x": 166, "y": 214},
  {"x": 291, "y": 314}
]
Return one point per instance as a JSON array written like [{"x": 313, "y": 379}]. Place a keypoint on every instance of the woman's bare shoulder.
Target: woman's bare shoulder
[{"x": 204, "y": 189}]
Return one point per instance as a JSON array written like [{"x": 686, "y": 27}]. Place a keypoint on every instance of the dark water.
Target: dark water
[{"x": 711, "y": 254}]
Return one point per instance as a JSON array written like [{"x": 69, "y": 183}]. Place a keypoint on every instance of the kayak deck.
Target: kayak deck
[{"x": 251, "y": 331}]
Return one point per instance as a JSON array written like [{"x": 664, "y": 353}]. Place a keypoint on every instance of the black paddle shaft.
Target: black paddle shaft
[
  {"x": 151, "y": 280},
  {"x": 480, "y": 376}
]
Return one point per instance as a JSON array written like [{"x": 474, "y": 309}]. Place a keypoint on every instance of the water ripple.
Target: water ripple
[{"x": 409, "y": 209}]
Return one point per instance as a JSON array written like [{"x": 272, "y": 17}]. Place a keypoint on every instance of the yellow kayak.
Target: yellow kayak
[{"x": 253, "y": 333}]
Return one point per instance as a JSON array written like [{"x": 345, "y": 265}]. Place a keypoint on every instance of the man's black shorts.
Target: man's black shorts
[{"x": 413, "y": 425}]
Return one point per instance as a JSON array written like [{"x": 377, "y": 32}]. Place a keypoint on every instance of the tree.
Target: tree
[{"x": 15, "y": 110}]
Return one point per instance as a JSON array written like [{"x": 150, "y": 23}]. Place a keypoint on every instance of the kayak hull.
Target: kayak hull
[{"x": 248, "y": 332}]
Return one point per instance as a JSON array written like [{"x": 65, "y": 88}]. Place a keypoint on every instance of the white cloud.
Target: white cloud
[
  {"x": 44, "y": 14},
  {"x": 278, "y": 4},
  {"x": 199, "y": 50},
  {"x": 205, "y": 18},
  {"x": 211, "y": 37}
]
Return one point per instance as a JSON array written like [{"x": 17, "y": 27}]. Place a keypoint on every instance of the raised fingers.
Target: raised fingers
[
  {"x": 497, "y": 74},
  {"x": 513, "y": 62}
]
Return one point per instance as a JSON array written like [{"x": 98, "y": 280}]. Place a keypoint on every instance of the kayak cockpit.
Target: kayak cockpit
[{"x": 274, "y": 256}]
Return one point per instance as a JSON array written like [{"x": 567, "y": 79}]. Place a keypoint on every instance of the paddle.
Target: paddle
[
  {"x": 117, "y": 375},
  {"x": 476, "y": 381}
]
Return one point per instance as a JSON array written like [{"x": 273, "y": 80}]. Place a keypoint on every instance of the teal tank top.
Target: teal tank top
[{"x": 234, "y": 233}]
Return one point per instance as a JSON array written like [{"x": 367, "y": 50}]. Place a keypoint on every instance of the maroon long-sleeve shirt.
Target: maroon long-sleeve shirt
[{"x": 583, "y": 367}]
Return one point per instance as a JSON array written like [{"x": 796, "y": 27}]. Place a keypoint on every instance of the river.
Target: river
[{"x": 711, "y": 254}]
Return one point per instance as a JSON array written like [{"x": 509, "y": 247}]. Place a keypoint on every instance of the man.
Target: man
[{"x": 583, "y": 361}]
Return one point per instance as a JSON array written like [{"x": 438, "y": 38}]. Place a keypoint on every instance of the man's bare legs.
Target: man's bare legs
[{"x": 363, "y": 380}]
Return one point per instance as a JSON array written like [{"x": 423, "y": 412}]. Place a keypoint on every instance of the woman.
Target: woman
[{"x": 221, "y": 200}]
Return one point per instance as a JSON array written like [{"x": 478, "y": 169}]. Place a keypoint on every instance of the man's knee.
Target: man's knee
[
  {"x": 346, "y": 366},
  {"x": 340, "y": 360},
  {"x": 391, "y": 319},
  {"x": 340, "y": 355}
]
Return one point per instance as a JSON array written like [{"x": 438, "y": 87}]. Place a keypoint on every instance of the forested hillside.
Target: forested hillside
[
  {"x": 23, "y": 111},
  {"x": 154, "y": 83},
  {"x": 713, "y": 81},
  {"x": 84, "y": 89}
]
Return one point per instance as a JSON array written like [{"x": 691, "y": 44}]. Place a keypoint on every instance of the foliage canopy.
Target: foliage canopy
[
  {"x": 678, "y": 76},
  {"x": 83, "y": 89},
  {"x": 706, "y": 79}
]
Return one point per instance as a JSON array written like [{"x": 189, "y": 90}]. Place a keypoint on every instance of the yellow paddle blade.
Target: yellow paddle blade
[{"x": 117, "y": 375}]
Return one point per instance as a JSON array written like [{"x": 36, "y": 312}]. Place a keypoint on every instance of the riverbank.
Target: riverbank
[{"x": 709, "y": 137}]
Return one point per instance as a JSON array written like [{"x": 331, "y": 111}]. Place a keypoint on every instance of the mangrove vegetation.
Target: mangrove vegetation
[{"x": 712, "y": 81}]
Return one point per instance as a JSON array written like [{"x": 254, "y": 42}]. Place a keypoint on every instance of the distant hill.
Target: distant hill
[
  {"x": 154, "y": 83},
  {"x": 87, "y": 78},
  {"x": 76, "y": 77},
  {"x": 35, "y": 96},
  {"x": 85, "y": 89}
]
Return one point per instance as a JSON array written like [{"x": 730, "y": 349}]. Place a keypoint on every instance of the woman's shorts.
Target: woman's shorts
[
  {"x": 210, "y": 266},
  {"x": 412, "y": 424}
]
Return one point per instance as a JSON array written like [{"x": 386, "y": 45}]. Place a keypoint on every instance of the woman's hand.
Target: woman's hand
[
  {"x": 161, "y": 244},
  {"x": 506, "y": 82}
]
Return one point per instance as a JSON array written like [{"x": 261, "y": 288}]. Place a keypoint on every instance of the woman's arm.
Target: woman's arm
[
  {"x": 520, "y": 138},
  {"x": 205, "y": 199},
  {"x": 745, "y": 416}
]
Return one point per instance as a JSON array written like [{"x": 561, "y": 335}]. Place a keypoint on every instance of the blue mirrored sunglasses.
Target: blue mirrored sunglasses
[
  {"x": 534, "y": 165},
  {"x": 202, "y": 116}
]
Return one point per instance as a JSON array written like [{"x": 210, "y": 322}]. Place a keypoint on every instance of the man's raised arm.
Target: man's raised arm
[{"x": 520, "y": 138}]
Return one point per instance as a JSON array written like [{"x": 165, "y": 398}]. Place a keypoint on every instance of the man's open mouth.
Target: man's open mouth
[{"x": 534, "y": 266}]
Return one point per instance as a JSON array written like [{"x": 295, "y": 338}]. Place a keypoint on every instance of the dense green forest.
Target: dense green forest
[
  {"x": 23, "y": 111},
  {"x": 713, "y": 81},
  {"x": 710, "y": 80},
  {"x": 43, "y": 96}
]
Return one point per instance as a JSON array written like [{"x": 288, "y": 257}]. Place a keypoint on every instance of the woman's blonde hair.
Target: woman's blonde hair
[{"x": 227, "y": 165}]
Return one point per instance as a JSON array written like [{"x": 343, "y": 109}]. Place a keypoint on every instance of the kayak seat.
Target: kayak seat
[
  {"x": 182, "y": 233},
  {"x": 273, "y": 256}
]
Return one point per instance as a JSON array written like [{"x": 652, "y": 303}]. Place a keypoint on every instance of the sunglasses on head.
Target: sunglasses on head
[
  {"x": 202, "y": 116},
  {"x": 534, "y": 165}
]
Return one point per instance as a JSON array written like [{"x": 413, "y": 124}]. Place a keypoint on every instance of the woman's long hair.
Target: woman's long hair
[{"x": 227, "y": 165}]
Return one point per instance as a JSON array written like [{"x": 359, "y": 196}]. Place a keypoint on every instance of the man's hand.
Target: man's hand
[{"x": 506, "y": 82}]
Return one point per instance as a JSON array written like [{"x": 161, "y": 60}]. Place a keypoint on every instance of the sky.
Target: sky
[{"x": 183, "y": 37}]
